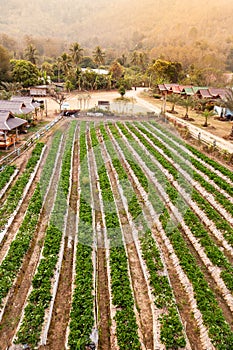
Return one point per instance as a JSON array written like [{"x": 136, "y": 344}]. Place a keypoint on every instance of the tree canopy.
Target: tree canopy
[
  {"x": 24, "y": 72},
  {"x": 4, "y": 63}
]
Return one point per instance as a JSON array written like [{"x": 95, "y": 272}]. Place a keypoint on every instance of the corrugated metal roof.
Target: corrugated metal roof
[
  {"x": 197, "y": 88},
  {"x": 24, "y": 99},
  {"x": 16, "y": 106},
  {"x": 169, "y": 86},
  {"x": 215, "y": 92},
  {"x": 38, "y": 92},
  {"x": 162, "y": 87},
  {"x": 176, "y": 89},
  {"x": 189, "y": 91},
  {"x": 204, "y": 93},
  {"x": 12, "y": 106}
]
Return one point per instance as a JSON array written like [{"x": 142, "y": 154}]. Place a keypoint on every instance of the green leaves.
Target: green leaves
[
  {"x": 40, "y": 296},
  {"x": 82, "y": 314},
  {"x": 19, "y": 247},
  {"x": 5, "y": 175},
  {"x": 16, "y": 191}
]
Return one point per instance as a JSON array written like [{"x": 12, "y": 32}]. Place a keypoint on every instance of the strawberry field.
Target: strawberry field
[{"x": 117, "y": 235}]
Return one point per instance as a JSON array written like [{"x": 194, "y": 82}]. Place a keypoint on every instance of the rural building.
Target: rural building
[
  {"x": 104, "y": 105},
  {"x": 16, "y": 107},
  {"x": 38, "y": 91},
  {"x": 10, "y": 126}
]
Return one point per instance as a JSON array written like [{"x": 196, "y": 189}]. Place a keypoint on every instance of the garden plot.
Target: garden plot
[{"x": 129, "y": 245}]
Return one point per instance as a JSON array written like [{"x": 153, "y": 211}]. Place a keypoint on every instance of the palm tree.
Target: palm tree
[
  {"x": 13, "y": 88},
  {"x": 187, "y": 103},
  {"x": 174, "y": 99},
  {"x": 76, "y": 53},
  {"x": 122, "y": 60},
  {"x": 207, "y": 114},
  {"x": 65, "y": 63},
  {"x": 99, "y": 56},
  {"x": 31, "y": 53},
  {"x": 134, "y": 58},
  {"x": 228, "y": 102}
]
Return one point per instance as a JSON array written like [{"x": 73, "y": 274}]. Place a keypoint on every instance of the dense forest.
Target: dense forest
[
  {"x": 197, "y": 37},
  {"x": 168, "y": 27}
]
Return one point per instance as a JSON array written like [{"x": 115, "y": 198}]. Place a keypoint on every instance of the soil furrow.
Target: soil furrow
[{"x": 102, "y": 273}]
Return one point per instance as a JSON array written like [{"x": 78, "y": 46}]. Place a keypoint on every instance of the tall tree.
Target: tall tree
[
  {"x": 117, "y": 70},
  {"x": 76, "y": 53},
  {"x": 122, "y": 59},
  {"x": 4, "y": 63},
  {"x": 206, "y": 114},
  {"x": 228, "y": 102},
  {"x": 134, "y": 58},
  {"x": 65, "y": 63},
  {"x": 99, "y": 56},
  {"x": 24, "y": 72},
  {"x": 31, "y": 53},
  {"x": 174, "y": 99},
  {"x": 12, "y": 87},
  {"x": 167, "y": 71},
  {"x": 187, "y": 103}
]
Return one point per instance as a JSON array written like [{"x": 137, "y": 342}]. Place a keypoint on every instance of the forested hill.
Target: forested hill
[{"x": 121, "y": 23}]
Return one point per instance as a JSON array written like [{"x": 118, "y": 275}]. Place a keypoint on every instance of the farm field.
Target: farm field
[{"x": 117, "y": 235}]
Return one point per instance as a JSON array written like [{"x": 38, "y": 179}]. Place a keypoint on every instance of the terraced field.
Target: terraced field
[{"x": 116, "y": 235}]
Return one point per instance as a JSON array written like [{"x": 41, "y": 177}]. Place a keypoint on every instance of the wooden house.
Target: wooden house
[
  {"x": 16, "y": 107},
  {"x": 218, "y": 93},
  {"x": 10, "y": 126},
  {"x": 38, "y": 91},
  {"x": 31, "y": 105},
  {"x": 203, "y": 94}
]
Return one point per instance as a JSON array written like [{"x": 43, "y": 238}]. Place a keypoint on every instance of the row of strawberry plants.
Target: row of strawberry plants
[
  {"x": 20, "y": 245},
  {"x": 12, "y": 262},
  {"x": 156, "y": 208},
  {"x": 208, "y": 251},
  {"x": 171, "y": 136},
  {"x": 122, "y": 298},
  {"x": 219, "y": 329},
  {"x": 171, "y": 331},
  {"x": 6, "y": 174},
  {"x": 82, "y": 316},
  {"x": 211, "y": 213},
  {"x": 16, "y": 191},
  {"x": 217, "y": 166},
  {"x": 148, "y": 187},
  {"x": 40, "y": 295},
  {"x": 212, "y": 251},
  {"x": 212, "y": 176},
  {"x": 48, "y": 168}
]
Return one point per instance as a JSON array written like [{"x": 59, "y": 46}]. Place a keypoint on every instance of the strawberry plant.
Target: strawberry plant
[{"x": 6, "y": 174}]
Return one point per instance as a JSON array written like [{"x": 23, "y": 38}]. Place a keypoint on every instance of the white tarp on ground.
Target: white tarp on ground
[{"x": 224, "y": 112}]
